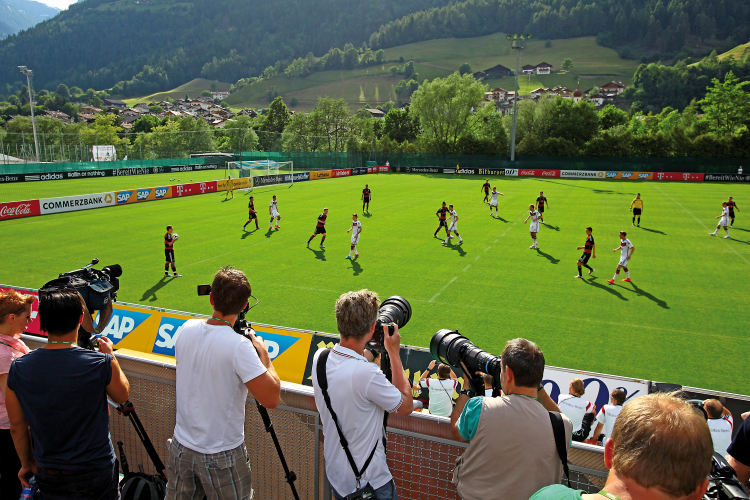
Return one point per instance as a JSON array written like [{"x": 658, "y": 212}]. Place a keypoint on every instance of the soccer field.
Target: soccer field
[{"x": 683, "y": 319}]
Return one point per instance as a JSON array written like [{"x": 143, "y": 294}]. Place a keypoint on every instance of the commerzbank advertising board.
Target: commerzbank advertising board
[{"x": 75, "y": 203}]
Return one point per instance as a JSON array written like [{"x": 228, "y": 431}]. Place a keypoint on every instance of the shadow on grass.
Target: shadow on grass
[
  {"x": 547, "y": 256},
  {"x": 602, "y": 286},
  {"x": 355, "y": 266},
  {"x": 554, "y": 228},
  {"x": 227, "y": 199},
  {"x": 271, "y": 232},
  {"x": 739, "y": 229},
  {"x": 456, "y": 248},
  {"x": 654, "y": 231},
  {"x": 497, "y": 217},
  {"x": 367, "y": 215},
  {"x": 319, "y": 254},
  {"x": 248, "y": 233},
  {"x": 150, "y": 294},
  {"x": 739, "y": 241},
  {"x": 598, "y": 191},
  {"x": 644, "y": 293}
]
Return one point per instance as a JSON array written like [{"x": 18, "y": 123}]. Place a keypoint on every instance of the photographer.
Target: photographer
[
  {"x": 720, "y": 423},
  {"x": 513, "y": 430},
  {"x": 215, "y": 369},
  {"x": 57, "y": 400},
  {"x": 440, "y": 389},
  {"x": 359, "y": 395},
  {"x": 738, "y": 453},
  {"x": 660, "y": 449}
]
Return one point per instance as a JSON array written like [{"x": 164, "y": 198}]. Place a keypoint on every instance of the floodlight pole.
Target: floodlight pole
[
  {"x": 26, "y": 71},
  {"x": 517, "y": 46}
]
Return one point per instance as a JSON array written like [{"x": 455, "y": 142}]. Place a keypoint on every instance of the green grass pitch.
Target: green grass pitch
[{"x": 684, "y": 318}]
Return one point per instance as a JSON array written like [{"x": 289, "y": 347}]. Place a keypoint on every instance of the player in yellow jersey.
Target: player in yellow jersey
[
  {"x": 230, "y": 188},
  {"x": 637, "y": 208}
]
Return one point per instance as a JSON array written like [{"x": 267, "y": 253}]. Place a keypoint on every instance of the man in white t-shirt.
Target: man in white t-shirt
[
  {"x": 440, "y": 389},
  {"x": 453, "y": 225},
  {"x": 721, "y": 425},
  {"x": 356, "y": 230},
  {"x": 534, "y": 227},
  {"x": 626, "y": 252},
  {"x": 577, "y": 409},
  {"x": 273, "y": 210},
  {"x": 215, "y": 369},
  {"x": 493, "y": 201},
  {"x": 359, "y": 396},
  {"x": 724, "y": 222},
  {"x": 607, "y": 416}
]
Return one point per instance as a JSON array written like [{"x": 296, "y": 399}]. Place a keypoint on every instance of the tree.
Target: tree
[
  {"x": 146, "y": 124},
  {"x": 155, "y": 109},
  {"x": 576, "y": 122},
  {"x": 240, "y": 135},
  {"x": 277, "y": 117},
  {"x": 408, "y": 69},
  {"x": 187, "y": 97},
  {"x": 548, "y": 44},
  {"x": 206, "y": 93},
  {"x": 351, "y": 58},
  {"x": 393, "y": 71},
  {"x": 567, "y": 64},
  {"x": 611, "y": 116},
  {"x": 293, "y": 102},
  {"x": 405, "y": 89},
  {"x": 449, "y": 109},
  {"x": 464, "y": 69},
  {"x": 399, "y": 126},
  {"x": 727, "y": 105},
  {"x": 380, "y": 56},
  {"x": 62, "y": 91}
]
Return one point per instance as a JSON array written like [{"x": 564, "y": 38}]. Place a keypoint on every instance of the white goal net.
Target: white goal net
[{"x": 260, "y": 172}]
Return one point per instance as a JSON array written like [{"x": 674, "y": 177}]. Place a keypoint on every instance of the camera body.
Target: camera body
[
  {"x": 723, "y": 483},
  {"x": 394, "y": 309},
  {"x": 97, "y": 287},
  {"x": 452, "y": 348}
]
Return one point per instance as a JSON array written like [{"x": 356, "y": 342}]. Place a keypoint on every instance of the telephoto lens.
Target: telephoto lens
[
  {"x": 393, "y": 310},
  {"x": 451, "y": 348}
]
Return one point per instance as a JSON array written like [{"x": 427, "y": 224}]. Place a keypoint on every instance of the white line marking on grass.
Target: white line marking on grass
[
  {"x": 441, "y": 290},
  {"x": 487, "y": 248},
  {"x": 498, "y": 240},
  {"x": 477, "y": 257},
  {"x": 467, "y": 267},
  {"x": 701, "y": 223}
]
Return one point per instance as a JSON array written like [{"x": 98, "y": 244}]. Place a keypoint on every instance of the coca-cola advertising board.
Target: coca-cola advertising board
[
  {"x": 18, "y": 209},
  {"x": 32, "y": 327},
  {"x": 526, "y": 172}
]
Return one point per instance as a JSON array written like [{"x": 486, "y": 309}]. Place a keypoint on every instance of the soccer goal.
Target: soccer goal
[{"x": 260, "y": 172}]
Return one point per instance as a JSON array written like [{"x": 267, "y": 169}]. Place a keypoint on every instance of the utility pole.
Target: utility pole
[
  {"x": 26, "y": 71},
  {"x": 517, "y": 45}
]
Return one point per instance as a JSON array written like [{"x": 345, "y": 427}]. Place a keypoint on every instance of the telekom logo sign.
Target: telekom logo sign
[
  {"x": 179, "y": 190},
  {"x": 661, "y": 175},
  {"x": 203, "y": 187}
]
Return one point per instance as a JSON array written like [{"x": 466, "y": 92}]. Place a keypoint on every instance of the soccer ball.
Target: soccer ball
[{"x": 175, "y": 236}]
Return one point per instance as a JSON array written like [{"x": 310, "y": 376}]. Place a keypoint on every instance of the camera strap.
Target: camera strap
[
  {"x": 323, "y": 383},
  {"x": 558, "y": 429}
]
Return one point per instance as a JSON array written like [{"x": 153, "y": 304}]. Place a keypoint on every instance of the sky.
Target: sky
[{"x": 60, "y": 4}]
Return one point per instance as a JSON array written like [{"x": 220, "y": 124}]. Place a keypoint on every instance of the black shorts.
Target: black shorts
[
  {"x": 366, "y": 200},
  {"x": 636, "y": 211},
  {"x": 252, "y": 216},
  {"x": 541, "y": 209},
  {"x": 169, "y": 253},
  {"x": 585, "y": 258},
  {"x": 486, "y": 192},
  {"x": 320, "y": 230},
  {"x": 442, "y": 224},
  {"x": 731, "y": 214}
]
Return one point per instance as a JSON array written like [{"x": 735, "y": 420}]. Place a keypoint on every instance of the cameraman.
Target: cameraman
[
  {"x": 360, "y": 395},
  {"x": 440, "y": 389},
  {"x": 57, "y": 406},
  {"x": 514, "y": 430},
  {"x": 215, "y": 369},
  {"x": 738, "y": 453},
  {"x": 660, "y": 450}
]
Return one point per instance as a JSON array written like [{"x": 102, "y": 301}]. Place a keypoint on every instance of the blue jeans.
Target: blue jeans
[
  {"x": 385, "y": 492},
  {"x": 98, "y": 484}
]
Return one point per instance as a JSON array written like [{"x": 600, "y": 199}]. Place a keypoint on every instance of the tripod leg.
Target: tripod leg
[{"x": 289, "y": 474}]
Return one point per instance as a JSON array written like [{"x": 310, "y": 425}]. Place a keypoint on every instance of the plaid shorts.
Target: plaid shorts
[{"x": 223, "y": 475}]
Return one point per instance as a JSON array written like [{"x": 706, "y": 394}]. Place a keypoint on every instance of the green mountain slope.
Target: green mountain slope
[{"x": 17, "y": 15}]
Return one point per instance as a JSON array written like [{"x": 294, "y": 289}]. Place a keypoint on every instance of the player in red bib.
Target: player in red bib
[
  {"x": 320, "y": 228},
  {"x": 731, "y": 205},
  {"x": 540, "y": 202},
  {"x": 589, "y": 250},
  {"x": 169, "y": 252},
  {"x": 441, "y": 215},
  {"x": 486, "y": 187},
  {"x": 252, "y": 214},
  {"x": 366, "y": 195}
]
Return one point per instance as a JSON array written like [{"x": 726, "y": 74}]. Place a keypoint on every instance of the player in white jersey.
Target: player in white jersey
[
  {"x": 627, "y": 250},
  {"x": 577, "y": 409},
  {"x": 453, "y": 226},
  {"x": 724, "y": 222},
  {"x": 493, "y": 202},
  {"x": 274, "y": 211},
  {"x": 356, "y": 230},
  {"x": 534, "y": 227},
  {"x": 607, "y": 416}
]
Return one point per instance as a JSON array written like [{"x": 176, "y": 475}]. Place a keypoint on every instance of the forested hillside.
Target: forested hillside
[
  {"x": 17, "y": 15},
  {"x": 97, "y": 43},
  {"x": 633, "y": 26}
]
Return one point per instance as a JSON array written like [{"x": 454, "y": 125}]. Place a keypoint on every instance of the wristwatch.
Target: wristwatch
[{"x": 468, "y": 392}]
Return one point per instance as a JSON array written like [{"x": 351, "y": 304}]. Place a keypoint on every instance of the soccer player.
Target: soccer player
[
  {"x": 366, "y": 199},
  {"x": 320, "y": 228},
  {"x": 230, "y": 188},
  {"x": 493, "y": 202},
  {"x": 252, "y": 214},
  {"x": 169, "y": 252},
  {"x": 486, "y": 189},
  {"x": 589, "y": 250},
  {"x": 731, "y": 205},
  {"x": 273, "y": 209},
  {"x": 627, "y": 250},
  {"x": 540, "y": 202},
  {"x": 356, "y": 230},
  {"x": 454, "y": 225},
  {"x": 637, "y": 208},
  {"x": 534, "y": 226},
  {"x": 724, "y": 222},
  {"x": 441, "y": 217}
]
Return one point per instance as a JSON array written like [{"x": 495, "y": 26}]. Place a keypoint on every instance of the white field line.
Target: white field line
[
  {"x": 467, "y": 267},
  {"x": 441, "y": 290}
]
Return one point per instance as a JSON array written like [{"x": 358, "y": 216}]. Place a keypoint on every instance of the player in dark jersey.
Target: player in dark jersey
[
  {"x": 169, "y": 252},
  {"x": 441, "y": 214},
  {"x": 731, "y": 205},
  {"x": 486, "y": 187},
  {"x": 320, "y": 228},
  {"x": 252, "y": 214},
  {"x": 366, "y": 195},
  {"x": 589, "y": 250},
  {"x": 540, "y": 202}
]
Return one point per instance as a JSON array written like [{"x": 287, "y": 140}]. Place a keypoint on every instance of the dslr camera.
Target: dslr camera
[
  {"x": 723, "y": 483},
  {"x": 393, "y": 310},
  {"x": 452, "y": 348}
]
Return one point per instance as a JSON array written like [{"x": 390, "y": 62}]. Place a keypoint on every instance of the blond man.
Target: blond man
[{"x": 660, "y": 450}]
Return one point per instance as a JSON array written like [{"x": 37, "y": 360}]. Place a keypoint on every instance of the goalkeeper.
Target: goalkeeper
[{"x": 230, "y": 188}]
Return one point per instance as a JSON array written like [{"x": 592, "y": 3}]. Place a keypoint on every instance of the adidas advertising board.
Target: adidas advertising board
[
  {"x": 470, "y": 171},
  {"x": 104, "y": 172},
  {"x": 583, "y": 174},
  {"x": 75, "y": 203}
]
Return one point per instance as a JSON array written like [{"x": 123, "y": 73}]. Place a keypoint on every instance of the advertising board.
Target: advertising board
[
  {"x": 359, "y": 171},
  {"x": 267, "y": 180},
  {"x": 241, "y": 183},
  {"x": 583, "y": 174},
  {"x": 18, "y": 209},
  {"x": 526, "y": 172},
  {"x": 631, "y": 176},
  {"x": 513, "y": 172},
  {"x": 344, "y": 172},
  {"x": 321, "y": 174},
  {"x": 103, "y": 153},
  {"x": 297, "y": 177},
  {"x": 598, "y": 386},
  {"x": 195, "y": 188},
  {"x": 491, "y": 171},
  {"x": 470, "y": 171},
  {"x": 726, "y": 178},
  {"x": 153, "y": 331},
  {"x": 145, "y": 194},
  {"x": 378, "y": 170},
  {"x": 421, "y": 170},
  {"x": 103, "y": 172},
  {"x": 677, "y": 176},
  {"x": 75, "y": 203}
]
